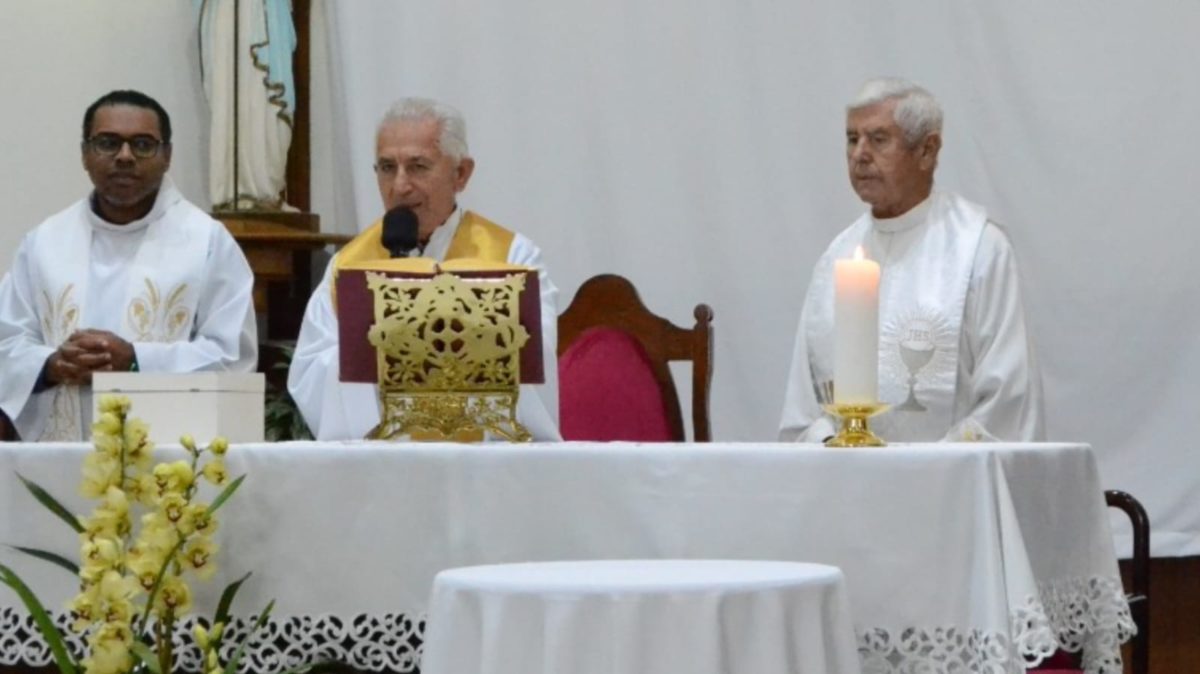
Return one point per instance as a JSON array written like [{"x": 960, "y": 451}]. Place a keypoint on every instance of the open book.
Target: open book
[{"x": 415, "y": 267}]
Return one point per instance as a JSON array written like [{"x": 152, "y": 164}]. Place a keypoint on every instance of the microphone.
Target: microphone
[{"x": 400, "y": 231}]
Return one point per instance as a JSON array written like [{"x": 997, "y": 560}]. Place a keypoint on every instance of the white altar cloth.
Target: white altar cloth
[
  {"x": 980, "y": 557},
  {"x": 637, "y": 616}
]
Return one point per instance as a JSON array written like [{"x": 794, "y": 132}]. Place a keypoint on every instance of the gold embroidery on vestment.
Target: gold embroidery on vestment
[{"x": 152, "y": 318}]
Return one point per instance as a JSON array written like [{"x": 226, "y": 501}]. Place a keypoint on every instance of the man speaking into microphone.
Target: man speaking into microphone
[{"x": 422, "y": 164}]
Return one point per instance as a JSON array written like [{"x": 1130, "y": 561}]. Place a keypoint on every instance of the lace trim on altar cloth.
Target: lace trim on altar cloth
[
  {"x": 1078, "y": 614},
  {"x": 371, "y": 643},
  {"x": 1088, "y": 615}
]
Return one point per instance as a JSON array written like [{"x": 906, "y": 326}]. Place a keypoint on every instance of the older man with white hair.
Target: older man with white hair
[
  {"x": 421, "y": 164},
  {"x": 955, "y": 357}
]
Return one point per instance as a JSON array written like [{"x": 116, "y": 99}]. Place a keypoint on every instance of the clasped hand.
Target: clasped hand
[{"x": 86, "y": 352}]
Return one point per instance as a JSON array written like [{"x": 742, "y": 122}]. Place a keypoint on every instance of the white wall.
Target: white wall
[{"x": 59, "y": 56}]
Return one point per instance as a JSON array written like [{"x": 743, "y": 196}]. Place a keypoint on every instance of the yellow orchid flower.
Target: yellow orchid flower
[
  {"x": 107, "y": 424},
  {"x": 172, "y": 506},
  {"x": 218, "y": 446},
  {"x": 157, "y": 536},
  {"x": 91, "y": 573},
  {"x": 108, "y": 659},
  {"x": 109, "y": 650},
  {"x": 153, "y": 524},
  {"x": 173, "y": 477},
  {"x": 136, "y": 436},
  {"x": 108, "y": 445},
  {"x": 113, "y": 514},
  {"x": 83, "y": 608},
  {"x": 174, "y": 596},
  {"x": 139, "y": 457},
  {"x": 113, "y": 403},
  {"x": 120, "y": 611},
  {"x": 202, "y": 523},
  {"x": 103, "y": 552},
  {"x": 198, "y": 556},
  {"x": 100, "y": 471},
  {"x": 145, "y": 568},
  {"x": 214, "y": 471},
  {"x": 116, "y": 501},
  {"x": 205, "y": 524},
  {"x": 188, "y": 442},
  {"x": 104, "y": 522},
  {"x": 114, "y": 587},
  {"x": 144, "y": 489}
]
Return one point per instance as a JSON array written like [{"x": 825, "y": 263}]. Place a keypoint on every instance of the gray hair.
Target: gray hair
[
  {"x": 453, "y": 140},
  {"x": 917, "y": 112}
]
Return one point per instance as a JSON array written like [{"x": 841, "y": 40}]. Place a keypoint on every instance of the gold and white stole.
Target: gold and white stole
[
  {"x": 158, "y": 301},
  {"x": 922, "y": 295}
]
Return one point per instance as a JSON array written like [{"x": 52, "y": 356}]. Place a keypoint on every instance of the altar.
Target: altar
[{"x": 957, "y": 557}]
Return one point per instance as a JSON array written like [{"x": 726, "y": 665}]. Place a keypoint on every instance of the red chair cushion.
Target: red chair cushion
[
  {"x": 607, "y": 390},
  {"x": 1061, "y": 662}
]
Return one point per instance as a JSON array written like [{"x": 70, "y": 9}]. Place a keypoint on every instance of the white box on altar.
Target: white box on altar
[{"x": 201, "y": 404}]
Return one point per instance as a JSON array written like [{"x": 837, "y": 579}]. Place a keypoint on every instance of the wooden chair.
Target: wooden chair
[
  {"x": 1137, "y": 592},
  {"x": 611, "y": 301}
]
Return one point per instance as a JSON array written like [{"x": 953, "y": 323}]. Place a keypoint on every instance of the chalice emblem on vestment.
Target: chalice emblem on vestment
[{"x": 916, "y": 351}]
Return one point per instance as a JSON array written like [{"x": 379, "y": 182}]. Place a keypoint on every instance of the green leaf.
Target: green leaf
[
  {"x": 225, "y": 494},
  {"x": 53, "y": 505},
  {"x": 50, "y": 557},
  {"x": 232, "y": 665},
  {"x": 148, "y": 657},
  {"x": 222, "y": 614},
  {"x": 50, "y": 633}
]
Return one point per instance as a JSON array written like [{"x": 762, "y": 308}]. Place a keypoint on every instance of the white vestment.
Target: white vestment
[
  {"x": 174, "y": 284},
  {"x": 955, "y": 357},
  {"x": 337, "y": 410}
]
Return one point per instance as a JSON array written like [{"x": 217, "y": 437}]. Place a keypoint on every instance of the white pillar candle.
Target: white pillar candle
[{"x": 856, "y": 330}]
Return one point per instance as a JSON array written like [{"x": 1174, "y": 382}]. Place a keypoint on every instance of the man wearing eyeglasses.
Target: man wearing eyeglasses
[{"x": 131, "y": 278}]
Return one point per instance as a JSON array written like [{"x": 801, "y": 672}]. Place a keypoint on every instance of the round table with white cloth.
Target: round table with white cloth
[{"x": 640, "y": 616}]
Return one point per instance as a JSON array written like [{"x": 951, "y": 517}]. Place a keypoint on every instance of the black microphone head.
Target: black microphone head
[{"x": 400, "y": 231}]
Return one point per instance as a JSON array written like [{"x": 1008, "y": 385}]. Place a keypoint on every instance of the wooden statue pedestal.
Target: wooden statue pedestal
[{"x": 279, "y": 247}]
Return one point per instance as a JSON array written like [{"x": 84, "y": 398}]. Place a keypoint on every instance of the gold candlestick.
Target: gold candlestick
[{"x": 854, "y": 432}]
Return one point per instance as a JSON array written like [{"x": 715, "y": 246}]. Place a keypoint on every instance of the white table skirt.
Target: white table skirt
[
  {"x": 958, "y": 557},
  {"x": 637, "y": 616}
]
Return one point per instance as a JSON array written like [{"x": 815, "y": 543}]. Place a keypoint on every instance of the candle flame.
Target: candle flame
[{"x": 858, "y": 253}]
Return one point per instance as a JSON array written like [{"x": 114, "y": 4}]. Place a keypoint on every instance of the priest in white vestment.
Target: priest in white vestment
[
  {"x": 422, "y": 163},
  {"x": 131, "y": 278},
  {"x": 956, "y": 361}
]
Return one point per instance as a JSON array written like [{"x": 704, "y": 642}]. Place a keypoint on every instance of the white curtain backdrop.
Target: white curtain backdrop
[{"x": 696, "y": 146}]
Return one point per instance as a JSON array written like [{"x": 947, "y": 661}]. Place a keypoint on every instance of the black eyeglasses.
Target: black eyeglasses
[{"x": 110, "y": 144}]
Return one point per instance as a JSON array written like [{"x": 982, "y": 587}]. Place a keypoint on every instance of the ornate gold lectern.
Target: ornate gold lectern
[{"x": 447, "y": 345}]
